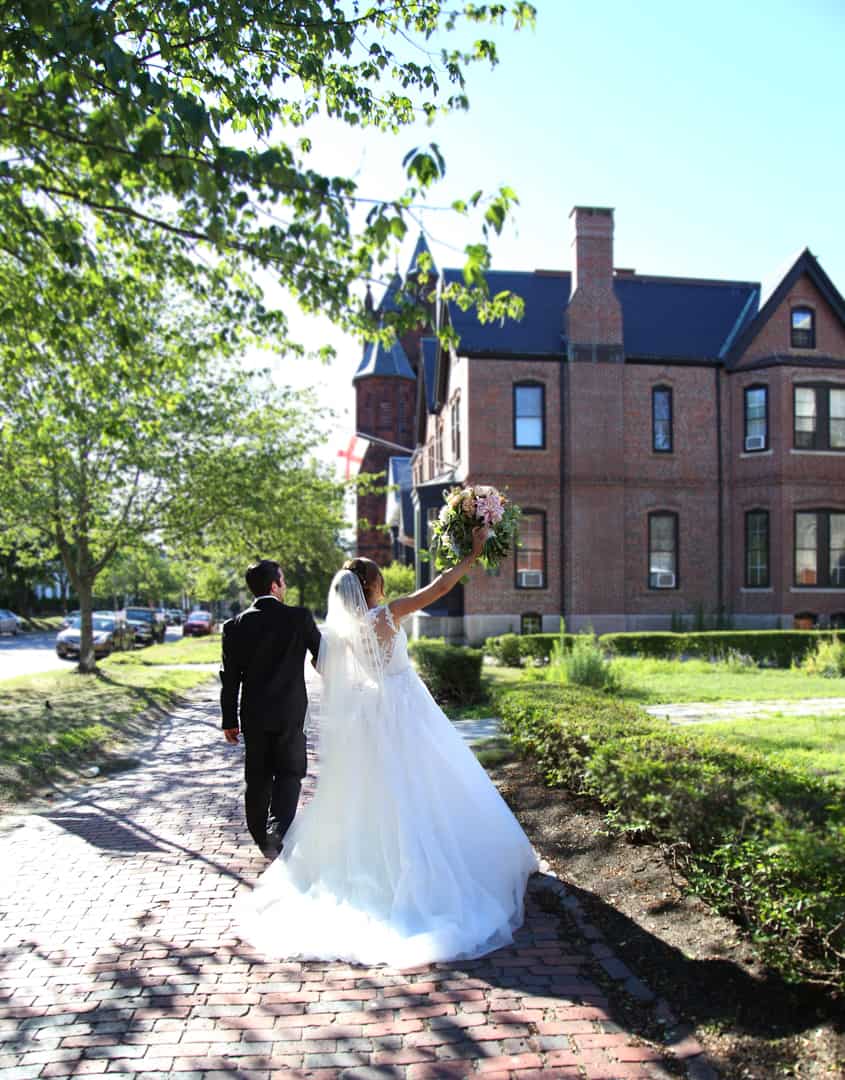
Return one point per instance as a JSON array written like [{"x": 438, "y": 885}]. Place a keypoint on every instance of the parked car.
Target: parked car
[
  {"x": 111, "y": 631},
  {"x": 8, "y": 622},
  {"x": 197, "y": 624},
  {"x": 175, "y": 616},
  {"x": 148, "y": 625}
]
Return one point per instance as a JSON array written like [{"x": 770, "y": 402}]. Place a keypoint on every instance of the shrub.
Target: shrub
[
  {"x": 533, "y": 647},
  {"x": 451, "y": 673},
  {"x": 737, "y": 662},
  {"x": 506, "y": 649},
  {"x": 762, "y": 843},
  {"x": 780, "y": 647},
  {"x": 584, "y": 664},
  {"x": 399, "y": 580},
  {"x": 828, "y": 659}
]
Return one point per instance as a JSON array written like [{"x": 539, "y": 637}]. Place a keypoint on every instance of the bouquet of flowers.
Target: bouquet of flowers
[{"x": 463, "y": 509}]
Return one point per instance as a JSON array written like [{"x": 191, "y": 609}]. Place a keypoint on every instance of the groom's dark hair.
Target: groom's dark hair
[{"x": 261, "y": 575}]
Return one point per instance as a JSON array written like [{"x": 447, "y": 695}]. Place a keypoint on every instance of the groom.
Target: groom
[{"x": 263, "y": 661}]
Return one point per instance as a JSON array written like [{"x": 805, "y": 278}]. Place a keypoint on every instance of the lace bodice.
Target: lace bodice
[{"x": 392, "y": 639}]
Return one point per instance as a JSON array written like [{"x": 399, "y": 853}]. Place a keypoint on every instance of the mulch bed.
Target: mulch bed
[{"x": 752, "y": 1024}]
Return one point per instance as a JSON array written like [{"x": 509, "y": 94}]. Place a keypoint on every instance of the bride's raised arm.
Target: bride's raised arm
[{"x": 406, "y": 605}]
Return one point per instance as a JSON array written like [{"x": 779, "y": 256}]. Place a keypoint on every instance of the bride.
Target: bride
[{"x": 407, "y": 853}]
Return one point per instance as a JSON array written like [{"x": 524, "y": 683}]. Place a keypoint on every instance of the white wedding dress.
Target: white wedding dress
[{"x": 406, "y": 854}]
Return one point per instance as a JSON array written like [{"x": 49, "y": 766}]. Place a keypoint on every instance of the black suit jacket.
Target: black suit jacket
[{"x": 263, "y": 663}]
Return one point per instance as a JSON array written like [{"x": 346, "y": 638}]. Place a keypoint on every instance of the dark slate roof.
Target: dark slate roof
[
  {"x": 673, "y": 318},
  {"x": 379, "y": 359},
  {"x": 806, "y": 263},
  {"x": 429, "y": 368},
  {"x": 390, "y": 300},
  {"x": 400, "y": 474},
  {"x": 538, "y": 333},
  {"x": 422, "y": 246}
]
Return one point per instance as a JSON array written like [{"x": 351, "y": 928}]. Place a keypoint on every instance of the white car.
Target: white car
[{"x": 9, "y": 622}]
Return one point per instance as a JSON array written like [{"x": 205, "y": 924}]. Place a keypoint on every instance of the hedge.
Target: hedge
[
  {"x": 761, "y": 843},
  {"x": 513, "y": 650},
  {"x": 451, "y": 673},
  {"x": 778, "y": 647}
]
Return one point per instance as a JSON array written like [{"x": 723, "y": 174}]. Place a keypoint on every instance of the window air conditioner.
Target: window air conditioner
[
  {"x": 755, "y": 442},
  {"x": 664, "y": 581},
  {"x": 530, "y": 579}
]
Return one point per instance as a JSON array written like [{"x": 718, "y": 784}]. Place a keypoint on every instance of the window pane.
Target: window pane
[
  {"x": 837, "y": 549},
  {"x": 757, "y": 556},
  {"x": 662, "y": 533},
  {"x": 806, "y": 549},
  {"x": 755, "y": 412},
  {"x": 661, "y": 554},
  {"x": 755, "y": 403},
  {"x": 805, "y": 417},
  {"x": 529, "y": 432},
  {"x": 661, "y": 562},
  {"x": 529, "y": 401},
  {"x": 837, "y": 419},
  {"x": 661, "y": 419},
  {"x": 806, "y": 531},
  {"x": 802, "y": 319},
  {"x": 662, "y": 435},
  {"x": 529, "y": 554}
]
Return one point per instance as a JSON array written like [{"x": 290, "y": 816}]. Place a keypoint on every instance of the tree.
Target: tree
[
  {"x": 181, "y": 129},
  {"x": 121, "y": 420},
  {"x": 399, "y": 580}
]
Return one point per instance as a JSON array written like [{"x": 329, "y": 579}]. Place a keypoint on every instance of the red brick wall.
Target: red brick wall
[
  {"x": 683, "y": 481},
  {"x": 780, "y": 480},
  {"x": 594, "y": 315},
  {"x": 530, "y": 477},
  {"x": 774, "y": 336},
  {"x": 384, "y": 406}
]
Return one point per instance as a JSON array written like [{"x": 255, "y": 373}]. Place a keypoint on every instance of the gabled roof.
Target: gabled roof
[
  {"x": 379, "y": 359},
  {"x": 806, "y": 263},
  {"x": 682, "y": 319}
]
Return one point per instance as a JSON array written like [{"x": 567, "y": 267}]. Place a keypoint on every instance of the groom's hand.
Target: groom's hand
[{"x": 231, "y": 734}]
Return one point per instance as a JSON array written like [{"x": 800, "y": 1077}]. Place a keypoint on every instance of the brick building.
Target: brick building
[{"x": 676, "y": 448}]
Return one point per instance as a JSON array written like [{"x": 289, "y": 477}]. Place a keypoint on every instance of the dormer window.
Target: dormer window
[{"x": 803, "y": 325}]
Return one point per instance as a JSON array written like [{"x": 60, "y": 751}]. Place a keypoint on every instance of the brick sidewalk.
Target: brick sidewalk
[{"x": 117, "y": 955}]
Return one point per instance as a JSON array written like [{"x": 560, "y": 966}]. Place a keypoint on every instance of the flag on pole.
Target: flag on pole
[{"x": 352, "y": 456}]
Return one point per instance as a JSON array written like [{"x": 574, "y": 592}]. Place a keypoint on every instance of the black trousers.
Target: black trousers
[{"x": 274, "y": 765}]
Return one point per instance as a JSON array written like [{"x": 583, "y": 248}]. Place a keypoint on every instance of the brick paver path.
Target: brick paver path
[{"x": 118, "y": 955}]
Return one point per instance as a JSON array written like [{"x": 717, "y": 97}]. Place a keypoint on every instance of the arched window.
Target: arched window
[
  {"x": 663, "y": 550},
  {"x": 529, "y": 416},
  {"x": 661, "y": 419},
  {"x": 803, "y": 328},
  {"x": 756, "y": 419},
  {"x": 757, "y": 549}
]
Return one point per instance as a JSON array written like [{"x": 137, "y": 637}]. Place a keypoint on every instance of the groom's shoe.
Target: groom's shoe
[{"x": 271, "y": 850}]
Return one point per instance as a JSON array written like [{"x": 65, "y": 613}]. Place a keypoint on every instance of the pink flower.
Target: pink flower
[{"x": 489, "y": 508}]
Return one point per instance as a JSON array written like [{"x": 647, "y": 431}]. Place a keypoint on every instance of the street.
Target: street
[{"x": 28, "y": 654}]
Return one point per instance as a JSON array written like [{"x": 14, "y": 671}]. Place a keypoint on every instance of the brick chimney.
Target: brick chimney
[{"x": 594, "y": 316}]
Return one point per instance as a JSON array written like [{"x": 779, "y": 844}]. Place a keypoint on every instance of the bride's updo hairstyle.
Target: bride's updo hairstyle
[{"x": 367, "y": 572}]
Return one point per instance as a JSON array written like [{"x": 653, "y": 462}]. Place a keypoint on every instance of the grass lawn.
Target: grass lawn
[
  {"x": 816, "y": 743},
  {"x": 61, "y": 721},
  {"x": 44, "y": 622},
  {"x": 202, "y": 650},
  {"x": 653, "y": 682}
]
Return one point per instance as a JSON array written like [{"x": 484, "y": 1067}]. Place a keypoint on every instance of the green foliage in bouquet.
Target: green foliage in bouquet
[{"x": 463, "y": 509}]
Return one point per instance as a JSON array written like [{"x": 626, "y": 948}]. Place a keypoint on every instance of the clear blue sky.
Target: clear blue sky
[{"x": 715, "y": 131}]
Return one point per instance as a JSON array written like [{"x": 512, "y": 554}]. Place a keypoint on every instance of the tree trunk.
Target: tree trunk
[{"x": 87, "y": 659}]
